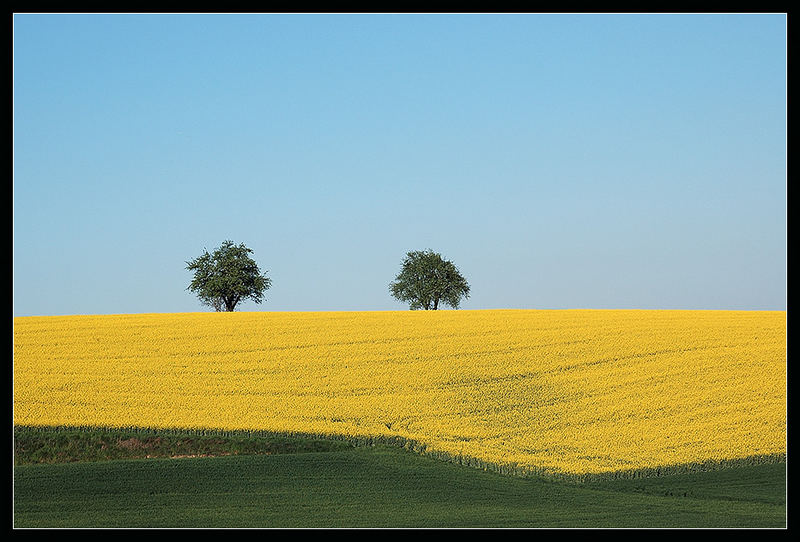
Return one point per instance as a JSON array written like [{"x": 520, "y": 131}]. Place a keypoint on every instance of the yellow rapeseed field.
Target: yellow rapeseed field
[{"x": 566, "y": 392}]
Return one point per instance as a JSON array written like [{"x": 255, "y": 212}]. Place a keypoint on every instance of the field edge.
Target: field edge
[{"x": 422, "y": 449}]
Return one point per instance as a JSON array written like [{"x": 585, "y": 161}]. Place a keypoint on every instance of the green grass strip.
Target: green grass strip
[
  {"x": 34, "y": 445},
  {"x": 380, "y": 486}
]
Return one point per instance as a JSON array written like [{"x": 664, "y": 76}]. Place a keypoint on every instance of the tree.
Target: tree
[
  {"x": 426, "y": 279},
  {"x": 227, "y": 276}
]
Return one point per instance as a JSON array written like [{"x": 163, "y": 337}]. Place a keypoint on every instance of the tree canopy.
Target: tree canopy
[
  {"x": 227, "y": 276},
  {"x": 426, "y": 280}
]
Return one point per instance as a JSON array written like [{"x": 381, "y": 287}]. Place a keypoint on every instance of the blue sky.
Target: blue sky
[{"x": 560, "y": 161}]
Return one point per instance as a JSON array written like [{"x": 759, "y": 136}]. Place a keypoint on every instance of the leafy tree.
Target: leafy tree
[
  {"x": 426, "y": 279},
  {"x": 227, "y": 276}
]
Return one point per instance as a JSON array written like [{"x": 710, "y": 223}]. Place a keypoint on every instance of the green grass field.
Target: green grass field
[{"x": 68, "y": 479}]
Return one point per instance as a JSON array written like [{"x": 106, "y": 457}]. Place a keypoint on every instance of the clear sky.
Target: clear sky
[{"x": 560, "y": 161}]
